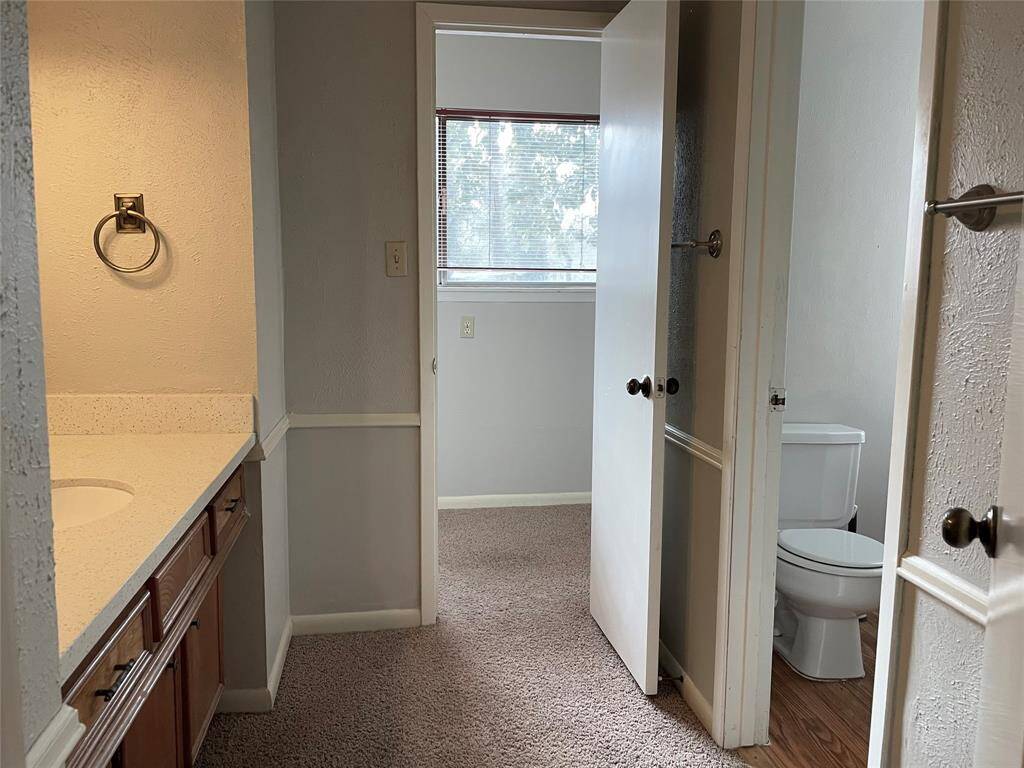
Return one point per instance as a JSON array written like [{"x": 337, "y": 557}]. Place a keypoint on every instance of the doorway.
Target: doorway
[{"x": 518, "y": 567}]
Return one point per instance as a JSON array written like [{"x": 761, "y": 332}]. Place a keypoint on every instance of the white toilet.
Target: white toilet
[{"x": 826, "y": 576}]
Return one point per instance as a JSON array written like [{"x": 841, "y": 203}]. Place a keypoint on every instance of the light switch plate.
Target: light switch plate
[
  {"x": 396, "y": 252},
  {"x": 467, "y": 327}
]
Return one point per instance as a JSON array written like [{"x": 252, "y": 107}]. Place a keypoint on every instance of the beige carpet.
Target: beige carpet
[{"x": 515, "y": 673}]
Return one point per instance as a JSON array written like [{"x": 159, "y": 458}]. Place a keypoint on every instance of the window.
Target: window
[{"x": 516, "y": 198}]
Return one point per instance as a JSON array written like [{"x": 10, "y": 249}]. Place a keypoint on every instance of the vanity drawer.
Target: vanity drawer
[
  {"x": 228, "y": 508},
  {"x": 109, "y": 676},
  {"x": 174, "y": 580}
]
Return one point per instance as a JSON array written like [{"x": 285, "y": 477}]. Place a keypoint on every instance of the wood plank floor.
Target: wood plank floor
[{"x": 819, "y": 725}]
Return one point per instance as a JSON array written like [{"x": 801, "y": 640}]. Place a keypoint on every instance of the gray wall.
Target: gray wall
[
  {"x": 346, "y": 89},
  {"x": 354, "y": 532},
  {"x": 346, "y": 86},
  {"x": 515, "y": 403},
  {"x": 854, "y": 144},
  {"x": 269, "y": 277},
  {"x": 31, "y": 684},
  {"x": 256, "y": 578},
  {"x": 963, "y": 384}
]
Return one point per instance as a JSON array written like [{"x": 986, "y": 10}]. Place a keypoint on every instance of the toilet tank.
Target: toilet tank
[{"x": 818, "y": 486}]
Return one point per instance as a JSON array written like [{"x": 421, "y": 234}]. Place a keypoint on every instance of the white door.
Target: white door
[
  {"x": 638, "y": 84},
  {"x": 1000, "y": 739}
]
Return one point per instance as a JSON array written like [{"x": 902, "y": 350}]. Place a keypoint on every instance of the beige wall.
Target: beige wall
[{"x": 150, "y": 99}]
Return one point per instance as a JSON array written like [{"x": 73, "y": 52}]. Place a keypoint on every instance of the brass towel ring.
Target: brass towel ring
[{"x": 123, "y": 214}]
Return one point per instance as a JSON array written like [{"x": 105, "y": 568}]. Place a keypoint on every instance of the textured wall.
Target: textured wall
[
  {"x": 972, "y": 280},
  {"x": 698, "y": 298},
  {"x": 967, "y": 345},
  {"x": 346, "y": 86},
  {"x": 158, "y": 99},
  {"x": 29, "y": 613},
  {"x": 856, "y": 124},
  {"x": 940, "y": 706},
  {"x": 699, "y": 287}
]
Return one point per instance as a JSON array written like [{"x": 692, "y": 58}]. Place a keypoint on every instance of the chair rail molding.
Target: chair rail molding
[
  {"x": 340, "y": 420},
  {"x": 694, "y": 446},
  {"x": 956, "y": 592}
]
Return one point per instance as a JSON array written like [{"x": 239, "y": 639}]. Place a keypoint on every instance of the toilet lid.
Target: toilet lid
[{"x": 832, "y": 546}]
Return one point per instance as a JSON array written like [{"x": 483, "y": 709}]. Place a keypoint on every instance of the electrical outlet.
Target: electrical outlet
[
  {"x": 397, "y": 258},
  {"x": 467, "y": 327}
]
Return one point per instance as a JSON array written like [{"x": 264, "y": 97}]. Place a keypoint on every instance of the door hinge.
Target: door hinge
[
  {"x": 433, "y": 366},
  {"x": 776, "y": 399}
]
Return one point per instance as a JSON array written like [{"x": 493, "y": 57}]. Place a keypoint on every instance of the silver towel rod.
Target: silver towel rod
[
  {"x": 975, "y": 208},
  {"x": 713, "y": 244}
]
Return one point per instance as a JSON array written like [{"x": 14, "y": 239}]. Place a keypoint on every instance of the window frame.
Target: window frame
[{"x": 448, "y": 291}]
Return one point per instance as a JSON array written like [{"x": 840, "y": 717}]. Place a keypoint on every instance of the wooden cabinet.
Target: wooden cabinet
[
  {"x": 204, "y": 670},
  {"x": 226, "y": 510},
  {"x": 148, "y": 691},
  {"x": 176, "y": 578},
  {"x": 113, "y": 672},
  {"x": 154, "y": 739}
]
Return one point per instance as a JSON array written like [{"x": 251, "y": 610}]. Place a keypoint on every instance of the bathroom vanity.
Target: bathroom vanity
[
  {"x": 148, "y": 503},
  {"x": 147, "y": 691}
]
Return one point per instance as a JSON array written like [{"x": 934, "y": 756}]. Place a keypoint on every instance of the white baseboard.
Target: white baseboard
[
  {"x": 513, "y": 500},
  {"x": 361, "y": 621},
  {"x": 54, "y": 744},
  {"x": 691, "y": 695},
  {"x": 245, "y": 700},
  {"x": 274, "y": 679},
  {"x": 259, "y": 699}
]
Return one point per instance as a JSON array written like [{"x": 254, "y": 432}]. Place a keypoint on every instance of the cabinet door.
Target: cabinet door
[
  {"x": 204, "y": 676},
  {"x": 155, "y": 737}
]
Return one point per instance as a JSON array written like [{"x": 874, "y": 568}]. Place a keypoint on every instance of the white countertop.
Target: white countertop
[{"x": 101, "y": 565}]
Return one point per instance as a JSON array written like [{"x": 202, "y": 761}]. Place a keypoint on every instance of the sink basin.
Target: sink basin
[{"x": 78, "y": 502}]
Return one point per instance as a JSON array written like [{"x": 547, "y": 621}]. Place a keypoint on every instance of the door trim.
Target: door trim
[
  {"x": 431, "y": 17},
  {"x": 743, "y": 664},
  {"x": 770, "y": 46},
  {"x": 908, "y": 374}
]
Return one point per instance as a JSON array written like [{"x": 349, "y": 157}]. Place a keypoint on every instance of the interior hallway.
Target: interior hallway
[{"x": 515, "y": 673}]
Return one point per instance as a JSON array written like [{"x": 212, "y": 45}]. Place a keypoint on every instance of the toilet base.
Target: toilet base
[{"x": 821, "y": 649}]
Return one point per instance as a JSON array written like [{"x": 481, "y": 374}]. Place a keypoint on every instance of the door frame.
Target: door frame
[
  {"x": 770, "y": 49},
  {"x": 431, "y": 17},
  {"x": 753, "y": 433}
]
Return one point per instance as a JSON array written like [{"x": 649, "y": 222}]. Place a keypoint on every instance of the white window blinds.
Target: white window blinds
[{"x": 517, "y": 198}]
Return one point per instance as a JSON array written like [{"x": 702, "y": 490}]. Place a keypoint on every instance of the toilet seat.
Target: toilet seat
[{"x": 831, "y": 550}]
